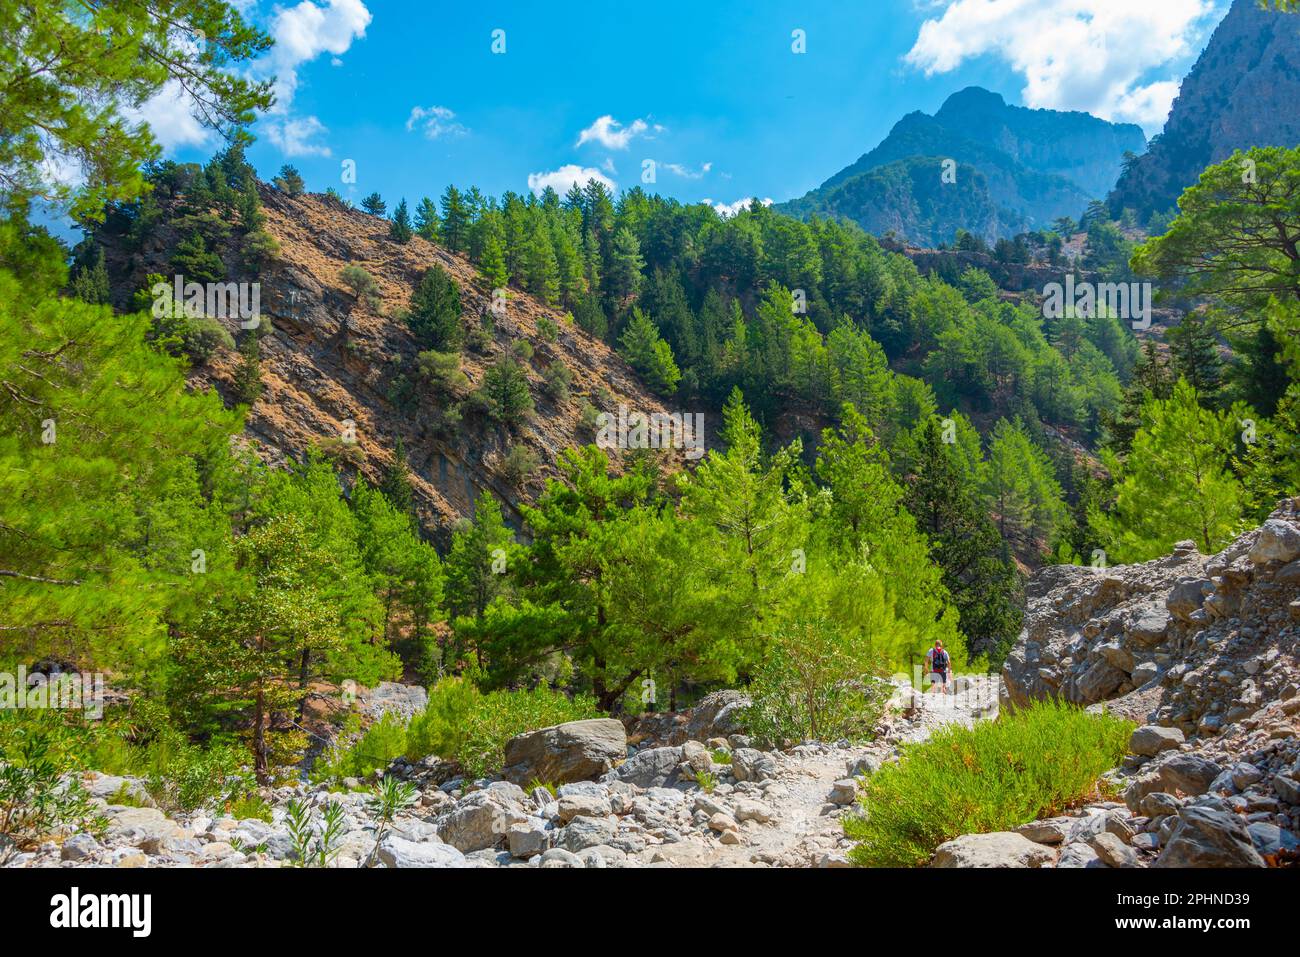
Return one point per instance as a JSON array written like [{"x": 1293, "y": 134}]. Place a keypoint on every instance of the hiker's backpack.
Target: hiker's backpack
[{"x": 940, "y": 660}]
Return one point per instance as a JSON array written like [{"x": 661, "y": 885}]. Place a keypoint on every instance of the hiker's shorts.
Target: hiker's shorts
[{"x": 938, "y": 677}]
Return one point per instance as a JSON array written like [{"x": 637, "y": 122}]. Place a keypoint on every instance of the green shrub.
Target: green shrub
[
  {"x": 994, "y": 777},
  {"x": 362, "y": 284},
  {"x": 556, "y": 380},
  {"x": 34, "y": 799},
  {"x": 376, "y": 748},
  {"x": 464, "y": 725},
  {"x": 818, "y": 681},
  {"x": 547, "y": 329},
  {"x": 250, "y": 806},
  {"x": 442, "y": 371},
  {"x": 520, "y": 462}
]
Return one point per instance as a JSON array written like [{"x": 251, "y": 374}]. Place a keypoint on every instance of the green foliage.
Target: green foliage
[
  {"x": 315, "y": 841},
  {"x": 434, "y": 315},
  {"x": 505, "y": 394},
  {"x": 372, "y": 751},
  {"x": 94, "y": 63},
  {"x": 1234, "y": 237},
  {"x": 519, "y": 464},
  {"x": 1176, "y": 483},
  {"x": 289, "y": 181},
  {"x": 400, "y": 231},
  {"x": 374, "y": 205},
  {"x": 35, "y": 800},
  {"x": 471, "y": 728},
  {"x": 362, "y": 285},
  {"x": 1030, "y": 764},
  {"x": 442, "y": 371},
  {"x": 818, "y": 679},
  {"x": 248, "y": 375},
  {"x": 649, "y": 355},
  {"x": 390, "y": 797}
]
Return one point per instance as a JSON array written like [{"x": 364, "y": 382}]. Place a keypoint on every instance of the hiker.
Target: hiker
[{"x": 938, "y": 664}]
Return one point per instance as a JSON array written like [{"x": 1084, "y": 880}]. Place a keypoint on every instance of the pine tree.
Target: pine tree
[
  {"x": 1176, "y": 483},
  {"x": 455, "y": 220},
  {"x": 434, "y": 314},
  {"x": 648, "y": 354},
  {"x": 541, "y": 273},
  {"x": 427, "y": 221},
  {"x": 760, "y": 523},
  {"x": 492, "y": 263},
  {"x": 505, "y": 392},
  {"x": 248, "y": 374},
  {"x": 395, "y": 485},
  {"x": 374, "y": 205},
  {"x": 251, "y": 650},
  {"x": 625, "y": 265},
  {"x": 1195, "y": 353},
  {"x": 400, "y": 229},
  {"x": 478, "y": 563},
  {"x": 985, "y": 588},
  {"x": 1021, "y": 490},
  {"x": 289, "y": 181}
]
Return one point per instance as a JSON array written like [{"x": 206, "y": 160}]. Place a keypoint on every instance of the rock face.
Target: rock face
[
  {"x": 576, "y": 751},
  {"x": 1186, "y": 642},
  {"x": 1203, "y": 653},
  {"x": 1236, "y": 96}
]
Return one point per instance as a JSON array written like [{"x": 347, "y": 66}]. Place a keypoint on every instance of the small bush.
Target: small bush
[
  {"x": 362, "y": 285},
  {"x": 442, "y": 371},
  {"x": 252, "y": 806},
  {"x": 523, "y": 349},
  {"x": 1033, "y": 763},
  {"x": 556, "y": 380},
  {"x": 464, "y": 725},
  {"x": 520, "y": 462},
  {"x": 34, "y": 799},
  {"x": 547, "y": 329},
  {"x": 375, "y": 749}
]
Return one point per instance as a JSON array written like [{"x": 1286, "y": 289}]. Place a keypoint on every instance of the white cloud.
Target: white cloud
[
  {"x": 613, "y": 135},
  {"x": 685, "y": 172},
  {"x": 565, "y": 177},
  {"x": 727, "y": 210},
  {"x": 170, "y": 115},
  {"x": 305, "y": 31},
  {"x": 302, "y": 33},
  {"x": 295, "y": 135},
  {"x": 434, "y": 121},
  {"x": 1090, "y": 55}
]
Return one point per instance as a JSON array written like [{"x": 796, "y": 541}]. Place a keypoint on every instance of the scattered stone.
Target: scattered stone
[
  {"x": 1149, "y": 740},
  {"x": 1113, "y": 850},
  {"x": 1208, "y": 838},
  {"x": 998, "y": 849}
]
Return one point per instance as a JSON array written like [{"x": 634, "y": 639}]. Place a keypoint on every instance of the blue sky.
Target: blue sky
[{"x": 711, "y": 90}]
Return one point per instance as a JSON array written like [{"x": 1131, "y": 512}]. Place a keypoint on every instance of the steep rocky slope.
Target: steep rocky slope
[
  {"x": 1242, "y": 92},
  {"x": 330, "y": 358},
  {"x": 1203, "y": 654}
]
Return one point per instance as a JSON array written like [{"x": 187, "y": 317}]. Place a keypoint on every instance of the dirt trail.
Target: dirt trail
[{"x": 806, "y": 826}]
